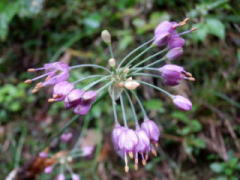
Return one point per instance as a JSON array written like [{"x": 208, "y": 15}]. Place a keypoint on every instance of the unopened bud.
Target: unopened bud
[
  {"x": 106, "y": 36},
  {"x": 126, "y": 70},
  {"x": 131, "y": 84},
  {"x": 112, "y": 62}
]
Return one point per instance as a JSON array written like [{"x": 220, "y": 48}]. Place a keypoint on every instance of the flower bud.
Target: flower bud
[
  {"x": 48, "y": 169},
  {"x": 131, "y": 84},
  {"x": 66, "y": 137},
  {"x": 60, "y": 177},
  {"x": 143, "y": 144},
  {"x": 106, "y": 36},
  {"x": 112, "y": 62},
  {"x": 127, "y": 140},
  {"x": 174, "y": 53},
  {"x": 182, "y": 103},
  {"x": 172, "y": 74}
]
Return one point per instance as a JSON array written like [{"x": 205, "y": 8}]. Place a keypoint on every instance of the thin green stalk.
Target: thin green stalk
[
  {"x": 157, "y": 88},
  {"x": 146, "y": 74},
  {"x": 105, "y": 86},
  {"x": 95, "y": 82},
  {"x": 110, "y": 49},
  {"x": 139, "y": 55},
  {"x": 133, "y": 109},
  {"x": 90, "y": 65},
  {"x": 149, "y": 65},
  {"x": 114, "y": 109},
  {"x": 123, "y": 111},
  {"x": 140, "y": 104},
  {"x": 87, "y": 77},
  {"x": 133, "y": 51},
  {"x": 150, "y": 57}
]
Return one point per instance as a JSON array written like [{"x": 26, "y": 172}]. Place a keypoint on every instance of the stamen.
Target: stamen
[
  {"x": 31, "y": 70},
  {"x": 35, "y": 90},
  {"x": 130, "y": 155},
  {"x": 156, "y": 145},
  {"x": 182, "y": 23},
  {"x": 126, "y": 162},
  {"x": 136, "y": 164},
  {"x": 188, "y": 31},
  {"x": 146, "y": 156},
  {"x": 191, "y": 79},
  {"x": 28, "y": 81},
  {"x": 154, "y": 152},
  {"x": 50, "y": 100},
  {"x": 143, "y": 160},
  {"x": 39, "y": 85}
]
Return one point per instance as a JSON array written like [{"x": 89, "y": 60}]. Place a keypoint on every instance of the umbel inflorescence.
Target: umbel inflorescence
[{"x": 121, "y": 79}]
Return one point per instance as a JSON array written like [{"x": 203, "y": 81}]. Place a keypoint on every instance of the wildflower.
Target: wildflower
[
  {"x": 131, "y": 84},
  {"x": 174, "y": 53},
  {"x": 66, "y": 137},
  {"x": 182, "y": 103},
  {"x": 73, "y": 98},
  {"x": 75, "y": 177},
  {"x": 112, "y": 62},
  {"x": 43, "y": 154},
  {"x": 60, "y": 177},
  {"x": 151, "y": 129},
  {"x": 142, "y": 147},
  {"x": 127, "y": 142},
  {"x": 117, "y": 130},
  {"x": 85, "y": 103},
  {"x": 54, "y": 73},
  {"x": 61, "y": 90},
  {"x": 48, "y": 169},
  {"x": 173, "y": 74}
]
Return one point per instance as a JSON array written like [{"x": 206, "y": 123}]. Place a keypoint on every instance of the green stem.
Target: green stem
[
  {"x": 105, "y": 86},
  {"x": 150, "y": 57},
  {"x": 114, "y": 109},
  {"x": 90, "y": 65},
  {"x": 123, "y": 111},
  {"x": 133, "y": 51},
  {"x": 139, "y": 55},
  {"x": 133, "y": 109},
  {"x": 140, "y": 104},
  {"x": 88, "y": 77},
  {"x": 146, "y": 74},
  {"x": 157, "y": 88},
  {"x": 95, "y": 82}
]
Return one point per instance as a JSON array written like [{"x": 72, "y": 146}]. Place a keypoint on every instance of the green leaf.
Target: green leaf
[
  {"x": 216, "y": 27},
  {"x": 217, "y": 167},
  {"x": 154, "y": 104},
  {"x": 201, "y": 33}
]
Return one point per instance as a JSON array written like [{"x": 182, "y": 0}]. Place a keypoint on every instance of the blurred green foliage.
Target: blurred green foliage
[{"x": 34, "y": 32}]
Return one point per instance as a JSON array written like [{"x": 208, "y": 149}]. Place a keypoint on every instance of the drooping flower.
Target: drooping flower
[
  {"x": 127, "y": 142},
  {"x": 143, "y": 146},
  {"x": 54, "y": 73},
  {"x": 151, "y": 129},
  {"x": 61, "y": 90},
  {"x": 116, "y": 132},
  {"x": 173, "y": 74},
  {"x": 182, "y": 103}
]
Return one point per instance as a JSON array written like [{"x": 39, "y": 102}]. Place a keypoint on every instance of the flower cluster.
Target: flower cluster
[{"x": 120, "y": 79}]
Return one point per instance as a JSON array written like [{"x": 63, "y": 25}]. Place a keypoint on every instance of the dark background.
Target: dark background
[{"x": 201, "y": 144}]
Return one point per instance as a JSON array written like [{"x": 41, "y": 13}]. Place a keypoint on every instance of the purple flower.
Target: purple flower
[
  {"x": 60, "y": 177},
  {"x": 172, "y": 74},
  {"x": 73, "y": 98},
  {"x": 151, "y": 129},
  {"x": 174, "y": 53},
  {"x": 54, "y": 73},
  {"x": 61, "y": 90},
  {"x": 143, "y": 144},
  {"x": 85, "y": 103},
  {"x": 66, "y": 137},
  {"x": 127, "y": 140},
  {"x": 48, "y": 169},
  {"x": 43, "y": 154},
  {"x": 75, "y": 177},
  {"x": 87, "y": 150},
  {"x": 166, "y": 34},
  {"x": 117, "y": 130},
  {"x": 182, "y": 103}
]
